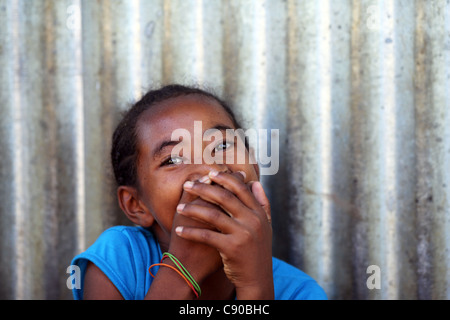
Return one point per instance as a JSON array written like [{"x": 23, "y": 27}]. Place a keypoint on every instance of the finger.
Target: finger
[
  {"x": 236, "y": 185},
  {"x": 205, "y": 236},
  {"x": 211, "y": 216},
  {"x": 261, "y": 197},
  {"x": 241, "y": 175},
  {"x": 218, "y": 196}
]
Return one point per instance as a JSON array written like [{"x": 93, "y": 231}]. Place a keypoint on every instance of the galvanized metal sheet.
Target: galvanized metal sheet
[{"x": 359, "y": 90}]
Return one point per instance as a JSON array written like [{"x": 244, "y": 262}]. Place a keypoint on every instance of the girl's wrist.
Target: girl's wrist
[
  {"x": 259, "y": 289},
  {"x": 259, "y": 292},
  {"x": 167, "y": 285},
  {"x": 195, "y": 269}
]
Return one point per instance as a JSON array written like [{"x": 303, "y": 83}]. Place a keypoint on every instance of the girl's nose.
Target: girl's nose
[{"x": 218, "y": 167}]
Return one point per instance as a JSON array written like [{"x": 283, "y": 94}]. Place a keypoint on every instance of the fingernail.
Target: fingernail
[
  {"x": 188, "y": 185},
  {"x": 243, "y": 174},
  {"x": 205, "y": 179},
  {"x": 213, "y": 173},
  {"x": 180, "y": 207},
  {"x": 179, "y": 230}
]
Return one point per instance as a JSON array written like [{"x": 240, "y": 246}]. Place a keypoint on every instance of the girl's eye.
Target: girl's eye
[
  {"x": 173, "y": 161},
  {"x": 222, "y": 146}
]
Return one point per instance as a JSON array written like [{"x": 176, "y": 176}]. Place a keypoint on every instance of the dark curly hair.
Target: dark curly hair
[{"x": 124, "y": 151}]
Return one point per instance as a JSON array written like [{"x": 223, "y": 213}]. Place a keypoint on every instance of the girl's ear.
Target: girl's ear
[{"x": 133, "y": 208}]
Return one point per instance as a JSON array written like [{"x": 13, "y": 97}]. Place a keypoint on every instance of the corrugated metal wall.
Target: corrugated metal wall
[{"x": 360, "y": 91}]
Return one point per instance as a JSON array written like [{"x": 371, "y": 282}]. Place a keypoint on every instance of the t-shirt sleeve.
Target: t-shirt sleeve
[
  {"x": 293, "y": 284},
  {"x": 113, "y": 254},
  {"x": 309, "y": 290}
]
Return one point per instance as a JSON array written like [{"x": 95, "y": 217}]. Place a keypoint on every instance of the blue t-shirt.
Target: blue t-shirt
[{"x": 124, "y": 254}]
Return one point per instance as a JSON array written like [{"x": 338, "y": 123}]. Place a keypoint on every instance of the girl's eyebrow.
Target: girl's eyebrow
[
  {"x": 219, "y": 127},
  {"x": 167, "y": 143}
]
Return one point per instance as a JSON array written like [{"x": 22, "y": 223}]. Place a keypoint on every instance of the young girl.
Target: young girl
[{"x": 203, "y": 230}]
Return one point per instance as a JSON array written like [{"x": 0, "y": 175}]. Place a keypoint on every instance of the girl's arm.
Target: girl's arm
[
  {"x": 245, "y": 237},
  {"x": 201, "y": 260},
  {"x": 97, "y": 286}
]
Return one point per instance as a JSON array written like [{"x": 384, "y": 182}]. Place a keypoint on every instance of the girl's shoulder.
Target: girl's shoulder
[
  {"x": 123, "y": 254},
  {"x": 135, "y": 240},
  {"x": 292, "y": 283},
  {"x": 132, "y": 233}
]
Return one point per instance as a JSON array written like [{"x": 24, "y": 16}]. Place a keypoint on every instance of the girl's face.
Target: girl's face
[{"x": 160, "y": 177}]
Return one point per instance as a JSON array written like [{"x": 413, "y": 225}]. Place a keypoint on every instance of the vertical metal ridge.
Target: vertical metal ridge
[
  {"x": 360, "y": 227},
  {"x": 311, "y": 98},
  {"x": 444, "y": 200},
  {"x": 325, "y": 125},
  {"x": 433, "y": 29},
  {"x": 193, "y": 43},
  {"x": 79, "y": 128},
  {"x": 446, "y": 143},
  {"x": 405, "y": 229},
  {"x": 51, "y": 227},
  {"x": 388, "y": 145},
  {"x": 259, "y": 58},
  {"x": 135, "y": 45},
  {"x": 19, "y": 160},
  {"x": 378, "y": 139},
  {"x": 424, "y": 170},
  {"x": 200, "y": 45},
  {"x": 439, "y": 141},
  {"x": 167, "y": 34},
  {"x": 358, "y": 89}
]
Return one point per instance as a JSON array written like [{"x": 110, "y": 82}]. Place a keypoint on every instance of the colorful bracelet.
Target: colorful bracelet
[
  {"x": 181, "y": 271},
  {"x": 174, "y": 269}
]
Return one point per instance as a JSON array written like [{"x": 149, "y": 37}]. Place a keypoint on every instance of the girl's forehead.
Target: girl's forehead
[{"x": 160, "y": 120}]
